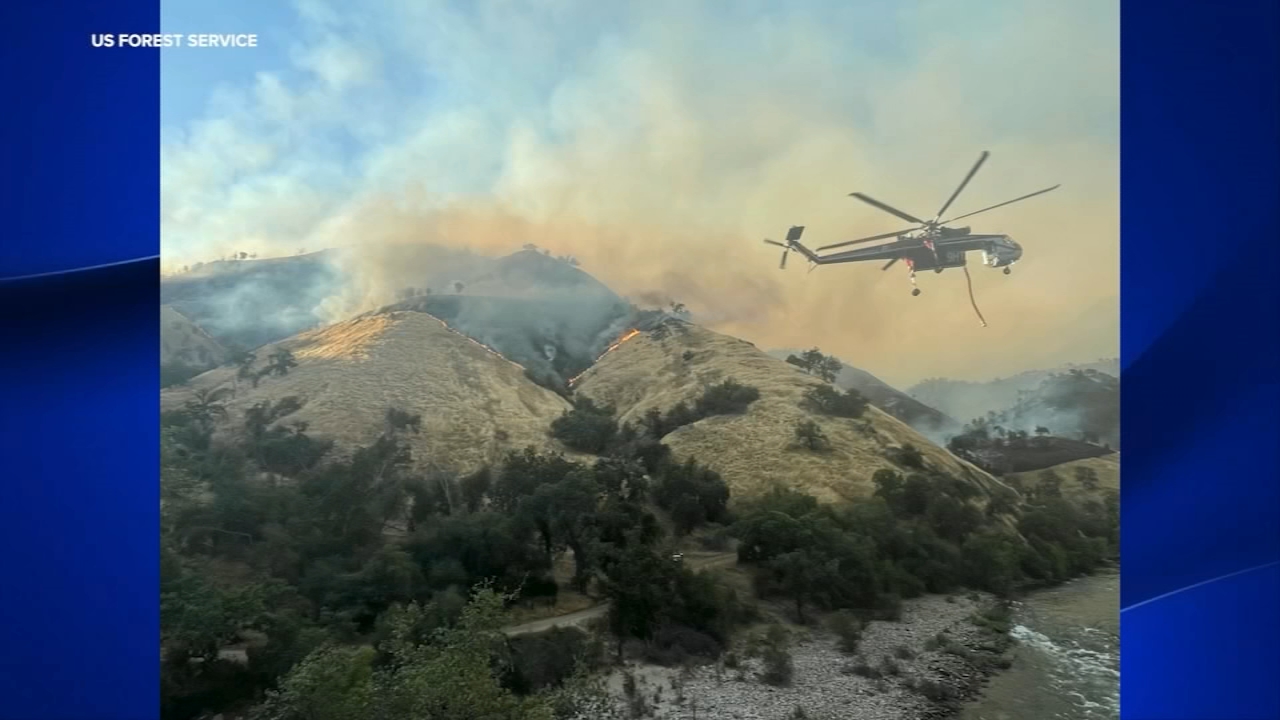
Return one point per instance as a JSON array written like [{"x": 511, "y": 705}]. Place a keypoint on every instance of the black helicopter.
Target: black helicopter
[{"x": 928, "y": 246}]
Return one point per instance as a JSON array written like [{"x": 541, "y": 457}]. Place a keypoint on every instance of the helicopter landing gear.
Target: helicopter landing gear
[
  {"x": 937, "y": 270},
  {"x": 915, "y": 292},
  {"x": 1007, "y": 271}
]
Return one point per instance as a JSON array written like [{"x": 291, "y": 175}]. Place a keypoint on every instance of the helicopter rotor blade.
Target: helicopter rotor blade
[
  {"x": 881, "y": 236},
  {"x": 889, "y": 264},
  {"x": 887, "y": 208},
  {"x": 783, "y": 265},
  {"x": 1007, "y": 202},
  {"x": 767, "y": 241},
  {"x": 973, "y": 171}
]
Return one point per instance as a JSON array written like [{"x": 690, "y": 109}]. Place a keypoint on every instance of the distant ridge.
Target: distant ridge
[{"x": 965, "y": 400}]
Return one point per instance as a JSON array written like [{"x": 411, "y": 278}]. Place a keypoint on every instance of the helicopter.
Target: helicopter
[{"x": 930, "y": 245}]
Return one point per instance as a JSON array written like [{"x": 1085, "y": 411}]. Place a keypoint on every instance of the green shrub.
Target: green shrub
[
  {"x": 587, "y": 428},
  {"x": 809, "y": 435},
  {"x": 829, "y": 401},
  {"x": 726, "y": 398},
  {"x": 848, "y": 629},
  {"x": 779, "y": 667},
  {"x": 546, "y": 660}
]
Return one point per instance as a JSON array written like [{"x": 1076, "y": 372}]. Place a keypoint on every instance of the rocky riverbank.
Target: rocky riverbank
[{"x": 922, "y": 667}]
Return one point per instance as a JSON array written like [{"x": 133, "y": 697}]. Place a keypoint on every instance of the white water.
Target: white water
[{"x": 1067, "y": 658}]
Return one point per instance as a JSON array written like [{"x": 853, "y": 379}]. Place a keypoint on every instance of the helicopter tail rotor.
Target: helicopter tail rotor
[
  {"x": 792, "y": 243},
  {"x": 785, "y": 250}
]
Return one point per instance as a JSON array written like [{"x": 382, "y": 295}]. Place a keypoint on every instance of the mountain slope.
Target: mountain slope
[
  {"x": 182, "y": 342},
  {"x": 675, "y": 361},
  {"x": 1106, "y": 469},
  {"x": 888, "y": 398},
  {"x": 475, "y": 405}
]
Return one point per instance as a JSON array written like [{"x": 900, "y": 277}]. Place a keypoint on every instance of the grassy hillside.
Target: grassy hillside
[
  {"x": 475, "y": 405},
  {"x": 183, "y": 341},
  {"x": 676, "y": 361},
  {"x": 1076, "y": 476},
  {"x": 185, "y": 349},
  {"x": 888, "y": 398}
]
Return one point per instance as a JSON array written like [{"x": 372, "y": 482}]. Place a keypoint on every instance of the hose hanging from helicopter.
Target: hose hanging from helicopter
[{"x": 968, "y": 281}]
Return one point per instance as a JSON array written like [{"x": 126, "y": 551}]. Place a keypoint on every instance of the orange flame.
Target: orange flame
[
  {"x": 626, "y": 336},
  {"x": 623, "y": 338}
]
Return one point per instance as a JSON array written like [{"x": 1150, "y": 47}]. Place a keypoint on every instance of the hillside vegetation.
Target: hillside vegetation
[
  {"x": 884, "y": 396},
  {"x": 758, "y": 449}
]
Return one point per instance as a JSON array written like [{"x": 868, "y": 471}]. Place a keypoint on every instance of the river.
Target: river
[{"x": 1066, "y": 664}]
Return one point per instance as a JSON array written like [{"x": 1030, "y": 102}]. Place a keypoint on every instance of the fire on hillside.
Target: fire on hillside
[
  {"x": 473, "y": 341},
  {"x": 621, "y": 339}
]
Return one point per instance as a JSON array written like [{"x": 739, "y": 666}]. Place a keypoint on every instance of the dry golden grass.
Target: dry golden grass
[
  {"x": 345, "y": 341},
  {"x": 1107, "y": 468},
  {"x": 754, "y": 451},
  {"x": 182, "y": 341},
  {"x": 475, "y": 405}
]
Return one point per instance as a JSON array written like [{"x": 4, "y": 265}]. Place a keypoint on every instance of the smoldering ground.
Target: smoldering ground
[{"x": 659, "y": 143}]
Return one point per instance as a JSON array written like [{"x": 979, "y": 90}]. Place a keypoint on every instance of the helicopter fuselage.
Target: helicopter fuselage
[{"x": 950, "y": 249}]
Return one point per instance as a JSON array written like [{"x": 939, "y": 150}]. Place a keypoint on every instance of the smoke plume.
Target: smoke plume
[{"x": 658, "y": 143}]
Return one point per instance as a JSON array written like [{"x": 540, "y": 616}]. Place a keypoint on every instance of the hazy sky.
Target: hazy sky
[{"x": 660, "y": 141}]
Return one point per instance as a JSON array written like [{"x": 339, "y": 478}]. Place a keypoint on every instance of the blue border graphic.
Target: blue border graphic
[
  {"x": 79, "y": 198},
  {"x": 1200, "y": 347}
]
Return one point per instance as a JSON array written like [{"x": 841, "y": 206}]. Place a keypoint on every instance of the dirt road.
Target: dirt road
[{"x": 697, "y": 561}]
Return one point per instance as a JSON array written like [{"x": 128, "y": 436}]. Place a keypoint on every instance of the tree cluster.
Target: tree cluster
[
  {"x": 827, "y": 400},
  {"x": 919, "y": 533},
  {"x": 815, "y": 363},
  {"x": 278, "y": 364},
  {"x": 594, "y": 429},
  {"x": 319, "y": 568},
  {"x": 728, "y": 397},
  {"x": 449, "y": 675},
  {"x": 587, "y": 428}
]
